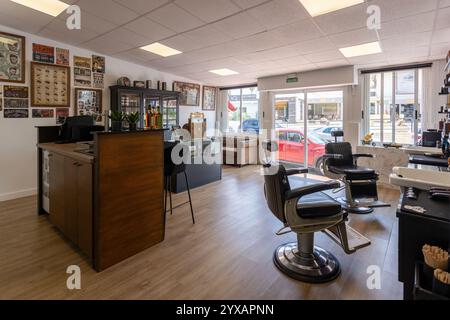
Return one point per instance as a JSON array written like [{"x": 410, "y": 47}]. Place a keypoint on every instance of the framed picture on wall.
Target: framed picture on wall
[
  {"x": 190, "y": 93},
  {"x": 50, "y": 85},
  {"x": 209, "y": 98},
  {"x": 43, "y": 53},
  {"x": 12, "y": 58},
  {"x": 89, "y": 102}
]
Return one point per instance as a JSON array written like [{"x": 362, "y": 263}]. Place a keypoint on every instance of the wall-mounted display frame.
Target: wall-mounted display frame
[
  {"x": 190, "y": 93},
  {"x": 209, "y": 98},
  {"x": 42, "y": 113},
  {"x": 12, "y": 58},
  {"x": 61, "y": 115},
  {"x": 50, "y": 85},
  {"x": 82, "y": 77},
  {"x": 89, "y": 102},
  {"x": 15, "y": 97},
  {"x": 62, "y": 56},
  {"x": 15, "y": 113},
  {"x": 43, "y": 53},
  {"x": 98, "y": 64}
]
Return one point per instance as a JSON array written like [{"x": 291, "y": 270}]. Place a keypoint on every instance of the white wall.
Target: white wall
[{"x": 18, "y": 175}]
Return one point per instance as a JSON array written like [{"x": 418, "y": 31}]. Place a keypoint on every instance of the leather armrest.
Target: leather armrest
[
  {"x": 332, "y": 156},
  {"x": 303, "y": 191},
  {"x": 290, "y": 172},
  {"x": 363, "y": 155}
]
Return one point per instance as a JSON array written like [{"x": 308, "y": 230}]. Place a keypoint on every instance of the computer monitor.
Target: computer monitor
[
  {"x": 78, "y": 128},
  {"x": 429, "y": 138}
]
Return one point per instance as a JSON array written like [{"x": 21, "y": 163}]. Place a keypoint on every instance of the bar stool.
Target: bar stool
[{"x": 171, "y": 170}]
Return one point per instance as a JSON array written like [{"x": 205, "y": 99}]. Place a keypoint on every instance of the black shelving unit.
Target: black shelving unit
[{"x": 130, "y": 99}]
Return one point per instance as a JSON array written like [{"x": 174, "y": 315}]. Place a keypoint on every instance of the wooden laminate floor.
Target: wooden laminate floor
[{"x": 226, "y": 255}]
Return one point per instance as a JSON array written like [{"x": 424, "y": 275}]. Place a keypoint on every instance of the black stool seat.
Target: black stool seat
[
  {"x": 317, "y": 205},
  {"x": 354, "y": 172}
]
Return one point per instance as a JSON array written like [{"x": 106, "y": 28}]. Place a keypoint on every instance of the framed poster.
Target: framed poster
[
  {"x": 42, "y": 113},
  {"x": 12, "y": 58},
  {"x": 82, "y": 62},
  {"x": 98, "y": 64},
  {"x": 209, "y": 98},
  {"x": 15, "y": 97},
  {"x": 43, "y": 53},
  {"x": 62, "y": 56},
  {"x": 61, "y": 115},
  {"x": 82, "y": 77},
  {"x": 50, "y": 85},
  {"x": 15, "y": 113},
  {"x": 89, "y": 102},
  {"x": 98, "y": 80},
  {"x": 190, "y": 93}
]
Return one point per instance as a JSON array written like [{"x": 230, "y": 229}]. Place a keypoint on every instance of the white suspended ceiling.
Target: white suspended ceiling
[{"x": 256, "y": 38}]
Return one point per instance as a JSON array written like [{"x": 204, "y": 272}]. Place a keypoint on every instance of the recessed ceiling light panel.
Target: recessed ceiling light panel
[
  {"x": 361, "y": 50},
  {"x": 319, "y": 7},
  {"x": 224, "y": 72},
  {"x": 161, "y": 50},
  {"x": 51, "y": 7}
]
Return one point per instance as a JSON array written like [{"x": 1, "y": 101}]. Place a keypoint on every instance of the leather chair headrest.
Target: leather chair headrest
[{"x": 337, "y": 133}]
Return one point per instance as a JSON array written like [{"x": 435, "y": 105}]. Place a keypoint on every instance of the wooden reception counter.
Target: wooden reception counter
[{"x": 109, "y": 202}]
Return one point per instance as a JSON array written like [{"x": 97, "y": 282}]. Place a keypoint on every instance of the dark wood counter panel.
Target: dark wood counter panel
[{"x": 110, "y": 204}]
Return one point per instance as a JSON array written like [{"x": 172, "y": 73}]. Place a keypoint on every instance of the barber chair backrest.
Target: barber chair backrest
[
  {"x": 342, "y": 148},
  {"x": 275, "y": 188}
]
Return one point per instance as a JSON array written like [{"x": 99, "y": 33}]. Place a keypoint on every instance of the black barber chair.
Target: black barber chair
[
  {"x": 360, "y": 183},
  {"x": 307, "y": 210}
]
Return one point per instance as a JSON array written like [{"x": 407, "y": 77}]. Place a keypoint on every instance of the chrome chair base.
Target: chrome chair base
[
  {"x": 317, "y": 267},
  {"x": 353, "y": 209}
]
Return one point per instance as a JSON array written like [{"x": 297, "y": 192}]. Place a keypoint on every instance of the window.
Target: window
[
  {"x": 295, "y": 137},
  {"x": 243, "y": 110},
  {"x": 393, "y": 104}
]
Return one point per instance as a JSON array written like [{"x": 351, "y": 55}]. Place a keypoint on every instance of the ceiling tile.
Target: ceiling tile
[
  {"x": 261, "y": 41},
  {"x": 175, "y": 18},
  {"x": 140, "y": 54},
  {"x": 439, "y": 51},
  {"x": 292, "y": 61},
  {"x": 443, "y": 18},
  {"x": 370, "y": 58},
  {"x": 106, "y": 44},
  {"x": 444, "y": 3},
  {"x": 441, "y": 36},
  {"x": 209, "y": 10},
  {"x": 93, "y": 23},
  {"x": 142, "y": 6},
  {"x": 353, "y": 38},
  {"x": 182, "y": 43},
  {"x": 108, "y": 10},
  {"x": 207, "y": 36},
  {"x": 332, "y": 64},
  {"x": 354, "y": 17},
  {"x": 151, "y": 30},
  {"x": 57, "y": 31},
  {"x": 278, "y": 12},
  {"x": 34, "y": 19},
  {"x": 414, "y": 24},
  {"x": 245, "y": 4},
  {"x": 416, "y": 39},
  {"x": 298, "y": 31},
  {"x": 24, "y": 25},
  {"x": 324, "y": 56},
  {"x": 129, "y": 37},
  {"x": 239, "y": 26},
  {"x": 391, "y": 10},
  {"x": 316, "y": 45}
]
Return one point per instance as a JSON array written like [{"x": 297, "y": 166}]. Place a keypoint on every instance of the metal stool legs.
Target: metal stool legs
[{"x": 168, "y": 189}]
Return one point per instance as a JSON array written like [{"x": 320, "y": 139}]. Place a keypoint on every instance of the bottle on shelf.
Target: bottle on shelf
[
  {"x": 153, "y": 118},
  {"x": 159, "y": 120}
]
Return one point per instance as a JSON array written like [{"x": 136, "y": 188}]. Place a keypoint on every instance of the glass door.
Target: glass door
[
  {"x": 149, "y": 103},
  {"x": 304, "y": 121},
  {"x": 130, "y": 102},
  {"x": 170, "y": 112}
]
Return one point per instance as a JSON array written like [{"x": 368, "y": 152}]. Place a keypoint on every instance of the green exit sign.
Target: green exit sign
[{"x": 292, "y": 78}]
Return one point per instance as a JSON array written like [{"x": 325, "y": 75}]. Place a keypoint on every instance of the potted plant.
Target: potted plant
[
  {"x": 132, "y": 119},
  {"x": 117, "y": 118}
]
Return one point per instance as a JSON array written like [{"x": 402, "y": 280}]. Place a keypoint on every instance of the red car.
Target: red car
[{"x": 291, "y": 146}]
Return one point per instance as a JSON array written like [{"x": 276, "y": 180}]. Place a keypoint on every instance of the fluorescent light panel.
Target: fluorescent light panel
[
  {"x": 362, "y": 49},
  {"x": 224, "y": 72},
  {"x": 319, "y": 7},
  {"x": 161, "y": 50},
  {"x": 51, "y": 7}
]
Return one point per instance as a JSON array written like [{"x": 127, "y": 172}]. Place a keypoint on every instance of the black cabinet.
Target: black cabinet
[{"x": 130, "y": 99}]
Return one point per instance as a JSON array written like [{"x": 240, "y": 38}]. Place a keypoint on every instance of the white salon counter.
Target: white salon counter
[{"x": 388, "y": 158}]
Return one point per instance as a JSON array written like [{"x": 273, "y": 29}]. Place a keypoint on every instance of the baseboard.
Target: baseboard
[{"x": 18, "y": 194}]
